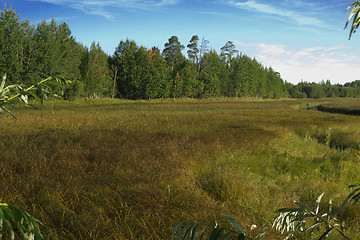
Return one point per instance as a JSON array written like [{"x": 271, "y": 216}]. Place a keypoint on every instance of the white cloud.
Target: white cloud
[
  {"x": 105, "y": 8},
  {"x": 285, "y": 13},
  {"x": 313, "y": 64}
]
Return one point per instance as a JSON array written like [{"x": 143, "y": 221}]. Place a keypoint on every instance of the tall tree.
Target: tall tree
[
  {"x": 228, "y": 50},
  {"x": 159, "y": 86},
  {"x": 57, "y": 52},
  {"x": 172, "y": 52},
  {"x": 203, "y": 50},
  {"x": 12, "y": 44},
  {"x": 96, "y": 72},
  {"x": 127, "y": 77},
  {"x": 193, "y": 48},
  {"x": 210, "y": 75}
]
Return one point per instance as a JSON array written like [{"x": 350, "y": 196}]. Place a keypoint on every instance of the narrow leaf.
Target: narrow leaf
[
  {"x": 325, "y": 234},
  {"x": 234, "y": 223},
  {"x": 263, "y": 233},
  {"x": 343, "y": 206},
  {"x": 2, "y": 83},
  {"x": 317, "y": 203},
  {"x": 194, "y": 232},
  {"x": 303, "y": 206}
]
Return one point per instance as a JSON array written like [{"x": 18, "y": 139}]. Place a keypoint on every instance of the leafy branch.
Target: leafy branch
[
  {"x": 300, "y": 223},
  {"x": 26, "y": 226},
  {"x": 304, "y": 221},
  {"x": 17, "y": 93},
  {"x": 192, "y": 230},
  {"x": 355, "y": 14}
]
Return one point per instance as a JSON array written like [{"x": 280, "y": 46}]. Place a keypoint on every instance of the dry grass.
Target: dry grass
[{"x": 111, "y": 169}]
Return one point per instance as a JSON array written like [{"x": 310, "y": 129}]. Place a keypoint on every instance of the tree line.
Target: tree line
[{"x": 32, "y": 52}]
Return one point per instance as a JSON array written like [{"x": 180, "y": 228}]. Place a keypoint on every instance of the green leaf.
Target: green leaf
[
  {"x": 329, "y": 211},
  {"x": 214, "y": 233},
  {"x": 218, "y": 234},
  {"x": 263, "y": 233},
  {"x": 354, "y": 13},
  {"x": 36, "y": 97},
  {"x": 189, "y": 230},
  {"x": 241, "y": 236},
  {"x": 195, "y": 230},
  {"x": 317, "y": 203},
  {"x": 234, "y": 223},
  {"x": 303, "y": 206},
  {"x": 251, "y": 228},
  {"x": 8, "y": 111},
  {"x": 227, "y": 235},
  {"x": 284, "y": 210},
  {"x": 2, "y": 83},
  {"x": 343, "y": 206},
  {"x": 177, "y": 231},
  {"x": 325, "y": 234}
]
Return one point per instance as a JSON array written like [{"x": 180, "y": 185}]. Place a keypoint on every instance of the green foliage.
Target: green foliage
[
  {"x": 193, "y": 48},
  {"x": 193, "y": 230},
  {"x": 26, "y": 227},
  {"x": 172, "y": 53},
  {"x": 299, "y": 223},
  {"x": 142, "y": 73},
  {"x": 16, "y": 93},
  {"x": 29, "y": 52},
  {"x": 228, "y": 51},
  {"x": 96, "y": 72},
  {"x": 305, "y": 223},
  {"x": 355, "y": 15}
]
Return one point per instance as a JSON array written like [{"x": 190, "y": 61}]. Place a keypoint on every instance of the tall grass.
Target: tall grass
[{"x": 113, "y": 169}]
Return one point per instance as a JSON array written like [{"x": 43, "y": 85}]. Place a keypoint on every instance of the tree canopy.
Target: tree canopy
[{"x": 29, "y": 53}]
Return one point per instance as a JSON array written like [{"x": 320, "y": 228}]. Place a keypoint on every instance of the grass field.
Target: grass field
[
  {"x": 350, "y": 107},
  {"x": 115, "y": 169}
]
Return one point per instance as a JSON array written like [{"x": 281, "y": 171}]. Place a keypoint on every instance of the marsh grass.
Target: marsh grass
[{"x": 114, "y": 169}]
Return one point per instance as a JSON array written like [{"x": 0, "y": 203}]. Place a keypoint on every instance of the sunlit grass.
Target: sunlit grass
[{"x": 116, "y": 169}]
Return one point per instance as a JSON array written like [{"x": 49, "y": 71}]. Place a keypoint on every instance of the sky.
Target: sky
[{"x": 304, "y": 40}]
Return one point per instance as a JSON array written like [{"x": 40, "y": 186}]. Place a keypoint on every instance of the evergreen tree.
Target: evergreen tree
[
  {"x": 193, "y": 48},
  {"x": 191, "y": 86},
  {"x": 210, "y": 75},
  {"x": 127, "y": 78},
  {"x": 57, "y": 52},
  {"x": 12, "y": 44},
  {"x": 159, "y": 87},
  {"x": 29, "y": 54},
  {"x": 275, "y": 85},
  {"x": 96, "y": 72},
  {"x": 172, "y": 52},
  {"x": 228, "y": 51}
]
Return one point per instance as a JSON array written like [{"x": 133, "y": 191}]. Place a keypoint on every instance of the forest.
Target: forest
[{"x": 29, "y": 53}]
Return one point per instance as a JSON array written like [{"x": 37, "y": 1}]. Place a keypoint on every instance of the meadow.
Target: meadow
[{"x": 121, "y": 169}]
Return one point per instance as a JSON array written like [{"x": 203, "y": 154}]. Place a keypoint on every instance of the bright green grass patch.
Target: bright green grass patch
[{"x": 116, "y": 169}]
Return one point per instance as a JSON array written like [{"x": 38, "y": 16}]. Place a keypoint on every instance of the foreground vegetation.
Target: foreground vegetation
[{"x": 131, "y": 169}]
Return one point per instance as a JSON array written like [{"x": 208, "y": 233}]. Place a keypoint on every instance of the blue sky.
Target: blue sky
[{"x": 304, "y": 40}]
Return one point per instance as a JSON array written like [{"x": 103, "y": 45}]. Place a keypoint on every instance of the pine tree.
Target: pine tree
[
  {"x": 193, "y": 48},
  {"x": 228, "y": 50},
  {"x": 172, "y": 52}
]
